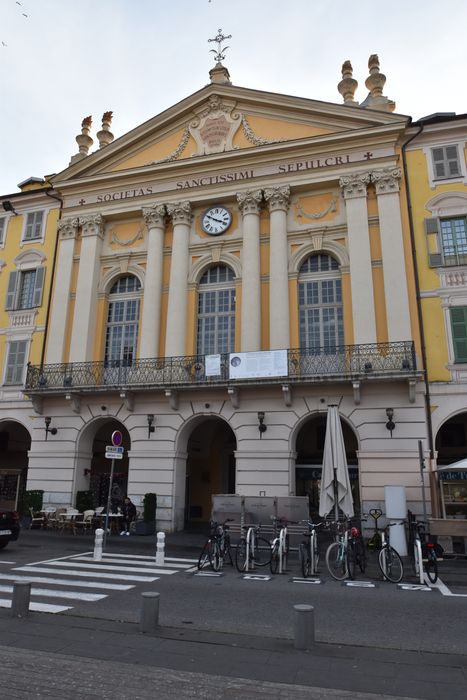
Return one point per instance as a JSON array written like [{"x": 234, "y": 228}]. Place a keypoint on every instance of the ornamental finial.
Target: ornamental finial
[{"x": 219, "y": 54}]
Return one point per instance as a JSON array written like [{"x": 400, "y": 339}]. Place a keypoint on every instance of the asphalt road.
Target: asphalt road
[{"x": 382, "y": 615}]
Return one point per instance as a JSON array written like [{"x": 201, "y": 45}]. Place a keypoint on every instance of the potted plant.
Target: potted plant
[{"x": 147, "y": 526}]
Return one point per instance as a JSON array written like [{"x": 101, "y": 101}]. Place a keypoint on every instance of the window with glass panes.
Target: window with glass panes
[
  {"x": 446, "y": 162},
  {"x": 15, "y": 362},
  {"x": 122, "y": 322},
  {"x": 454, "y": 241},
  {"x": 216, "y": 311},
  {"x": 320, "y": 304}
]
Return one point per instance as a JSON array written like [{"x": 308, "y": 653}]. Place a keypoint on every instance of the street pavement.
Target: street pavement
[{"x": 219, "y": 637}]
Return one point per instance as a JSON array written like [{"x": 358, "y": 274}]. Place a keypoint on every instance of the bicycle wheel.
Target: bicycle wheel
[
  {"x": 205, "y": 558},
  {"x": 416, "y": 561},
  {"x": 227, "y": 555},
  {"x": 314, "y": 568},
  {"x": 305, "y": 560},
  {"x": 240, "y": 555},
  {"x": 275, "y": 559},
  {"x": 216, "y": 556},
  {"x": 431, "y": 567},
  {"x": 262, "y": 555},
  {"x": 351, "y": 559},
  {"x": 336, "y": 561},
  {"x": 390, "y": 564}
]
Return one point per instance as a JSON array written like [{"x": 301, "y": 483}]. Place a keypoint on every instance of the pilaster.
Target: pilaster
[
  {"x": 155, "y": 218},
  {"x": 279, "y": 313},
  {"x": 175, "y": 344},
  {"x": 249, "y": 203}
]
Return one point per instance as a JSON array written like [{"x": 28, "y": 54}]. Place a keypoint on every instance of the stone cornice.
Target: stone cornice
[
  {"x": 355, "y": 185},
  {"x": 180, "y": 212},
  {"x": 386, "y": 180},
  {"x": 249, "y": 202},
  {"x": 155, "y": 216},
  {"x": 278, "y": 198}
]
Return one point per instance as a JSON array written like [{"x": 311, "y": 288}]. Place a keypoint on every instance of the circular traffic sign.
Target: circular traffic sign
[{"x": 117, "y": 438}]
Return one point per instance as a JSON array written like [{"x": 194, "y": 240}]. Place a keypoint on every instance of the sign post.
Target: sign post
[{"x": 113, "y": 452}]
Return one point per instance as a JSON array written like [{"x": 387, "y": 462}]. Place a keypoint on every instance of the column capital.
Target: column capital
[
  {"x": 250, "y": 201},
  {"x": 68, "y": 228},
  {"x": 154, "y": 216},
  {"x": 386, "y": 180},
  {"x": 354, "y": 185},
  {"x": 92, "y": 225},
  {"x": 180, "y": 212},
  {"x": 278, "y": 198}
]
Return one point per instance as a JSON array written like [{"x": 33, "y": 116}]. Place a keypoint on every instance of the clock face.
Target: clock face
[{"x": 216, "y": 220}]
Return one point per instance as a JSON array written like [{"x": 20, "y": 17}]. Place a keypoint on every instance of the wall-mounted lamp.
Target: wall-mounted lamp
[
  {"x": 52, "y": 431},
  {"x": 390, "y": 425},
  {"x": 8, "y": 206},
  {"x": 261, "y": 427},
  {"x": 151, "y": 426}
]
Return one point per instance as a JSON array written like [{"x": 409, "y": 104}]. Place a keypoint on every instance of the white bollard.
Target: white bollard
[
  {"x": 160, "y": 551},
  {"x": 98, "y": 544}
]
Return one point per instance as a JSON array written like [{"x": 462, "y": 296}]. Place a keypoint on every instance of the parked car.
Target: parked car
[{"x": 9, "y": 527}]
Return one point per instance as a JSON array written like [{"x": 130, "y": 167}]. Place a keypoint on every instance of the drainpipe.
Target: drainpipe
[
  {"x": 54, "y": 263},
  {"x": 431, "y": 447}
]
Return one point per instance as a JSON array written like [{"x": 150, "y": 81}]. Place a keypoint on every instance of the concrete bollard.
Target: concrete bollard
[
  {"x": 98, "y": 544},
  {"x": 304, "y": 626},
  {"x": 21, "y": 598},
  {"x": 149, "y": 612},
  {"x": 160, "y": 550}
]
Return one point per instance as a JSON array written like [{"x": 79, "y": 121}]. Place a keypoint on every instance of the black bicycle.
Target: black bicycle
[
  {"x": 216, "y": 549},
  {"x": 252, "y": 550},
  {"x": 356, "y": 552}
]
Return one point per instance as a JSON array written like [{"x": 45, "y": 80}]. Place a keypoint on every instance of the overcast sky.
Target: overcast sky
[{"x": 71, "y": 58}]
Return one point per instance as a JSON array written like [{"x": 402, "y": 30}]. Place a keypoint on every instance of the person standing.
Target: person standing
[{"x": 129, "y": 514}]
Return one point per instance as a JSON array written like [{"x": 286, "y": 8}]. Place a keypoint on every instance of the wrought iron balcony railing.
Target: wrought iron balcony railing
[{"x": 383, "y": 360}]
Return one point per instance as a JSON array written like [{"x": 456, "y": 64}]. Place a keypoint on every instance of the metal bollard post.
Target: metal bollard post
[
  {"x": 149, "y": 612},
  {"x": 160, "y": 551},
  {"x": 98, "y": 544},
  {"x": 304, "y": 626},
  {"x": 21, "y": 598}
]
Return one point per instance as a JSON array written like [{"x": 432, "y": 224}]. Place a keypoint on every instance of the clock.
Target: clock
[{"x": 216, "y": 220}]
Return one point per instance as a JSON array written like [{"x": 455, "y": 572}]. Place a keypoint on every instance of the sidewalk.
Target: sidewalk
[{"x": 53, "y": 656}]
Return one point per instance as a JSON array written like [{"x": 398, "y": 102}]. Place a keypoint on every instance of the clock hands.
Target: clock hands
[{"x": 219, "y": 221}]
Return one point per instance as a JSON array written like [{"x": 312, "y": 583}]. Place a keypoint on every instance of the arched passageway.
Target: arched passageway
[
  {"x": 451, "y": 447},
  {"x": 309, "y": 460},
  {"x": 15, "y": 443}
]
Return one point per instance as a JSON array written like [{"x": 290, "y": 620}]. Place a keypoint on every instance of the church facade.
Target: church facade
[{"x": 226, "y": 272}]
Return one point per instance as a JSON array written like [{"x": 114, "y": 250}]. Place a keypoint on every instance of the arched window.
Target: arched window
[
  {"x": 320, "y": 304},
  {"x": 216, "y": 311},
  {"x": 122, "y": 322}
]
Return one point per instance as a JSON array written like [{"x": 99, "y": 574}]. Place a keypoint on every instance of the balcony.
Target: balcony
[{"x": 383, "y": 361}]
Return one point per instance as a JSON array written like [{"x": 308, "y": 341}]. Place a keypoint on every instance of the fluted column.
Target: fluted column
[
  {"x": 392, "y": 247},
  {"x": 175, "y": 343},
  {"x": 67, "y": 230},
  {"x": 279, "y": 312},
  {"x": 84, "y": 318},
  {"x": 354, "y": 188},
  {"x": 151, "y": 316},
  {"x": 249, "y": 203}
]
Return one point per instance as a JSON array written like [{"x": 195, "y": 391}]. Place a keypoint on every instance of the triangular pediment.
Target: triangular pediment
[{"x": 224, "y": 119}]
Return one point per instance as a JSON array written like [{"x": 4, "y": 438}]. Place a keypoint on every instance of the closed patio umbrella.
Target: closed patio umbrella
[{"x": 335, "y": 484}]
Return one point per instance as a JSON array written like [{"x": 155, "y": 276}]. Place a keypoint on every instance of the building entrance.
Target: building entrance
[
  {"x": 15, "y": 443},
  {"x": 99, "y": 474}
]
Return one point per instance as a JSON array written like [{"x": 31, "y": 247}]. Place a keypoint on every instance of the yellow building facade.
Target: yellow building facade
[
  {"x": 226, "y": 272},
  {"x": 28, "y": 234},
  {"x": 437, "y": 174}
]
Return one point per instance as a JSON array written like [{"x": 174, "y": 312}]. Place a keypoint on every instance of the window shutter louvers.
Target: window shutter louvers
[
  {"x": 459, "y": 332},
  {"x": 11, "y": 291},
  {"x": 38, "y": 286}
]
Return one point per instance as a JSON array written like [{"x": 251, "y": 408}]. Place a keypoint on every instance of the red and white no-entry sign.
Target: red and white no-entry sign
[{"x": 117, "y": 438}]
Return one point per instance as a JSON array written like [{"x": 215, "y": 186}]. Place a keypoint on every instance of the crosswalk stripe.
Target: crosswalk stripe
[
  {"x": 182, "y": 560},
  {"x": 49, "y": 593},
  {"x": 100, "y": 565},
  {"x": 37, "y": 607},
  {"x": 89, "y": 574},
  {"x": 66, "y": 582},
  {"x": 114, "y": 560}
]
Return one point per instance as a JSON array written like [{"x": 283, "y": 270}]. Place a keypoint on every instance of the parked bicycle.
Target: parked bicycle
[
  {"x": 217, "y": 547},
  {"x": 309, "y": 551},
  {"x": 348, "y": 552},
  {"x": 421, "y": 550},
  {"x": 279, "y": 547},
  {"x": 389, "y": 560},
  {"x": 252, "y": 550}
]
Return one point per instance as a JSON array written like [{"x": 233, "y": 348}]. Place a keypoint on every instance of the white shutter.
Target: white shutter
[
  {"x": 11, "y": 291},
  {"x": 38, "y": 286},
  {"x": 2, "y": 229},
  {"x": 452, "y": 158},
  {"x": 34, "y": 225},
  {"x": 38, "y": 224},
  {"x": 438, "y": 162},
  {"x": 16, "y": 361}
]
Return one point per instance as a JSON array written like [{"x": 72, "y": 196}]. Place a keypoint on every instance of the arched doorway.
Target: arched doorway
[
  {"x": 451, "y": 446},
  {"x": 93, "y": 466},
  {"x": 15, "y": 443},
  {"x": 309, "y": 461},
  {"x": 210, "y": 467}
]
